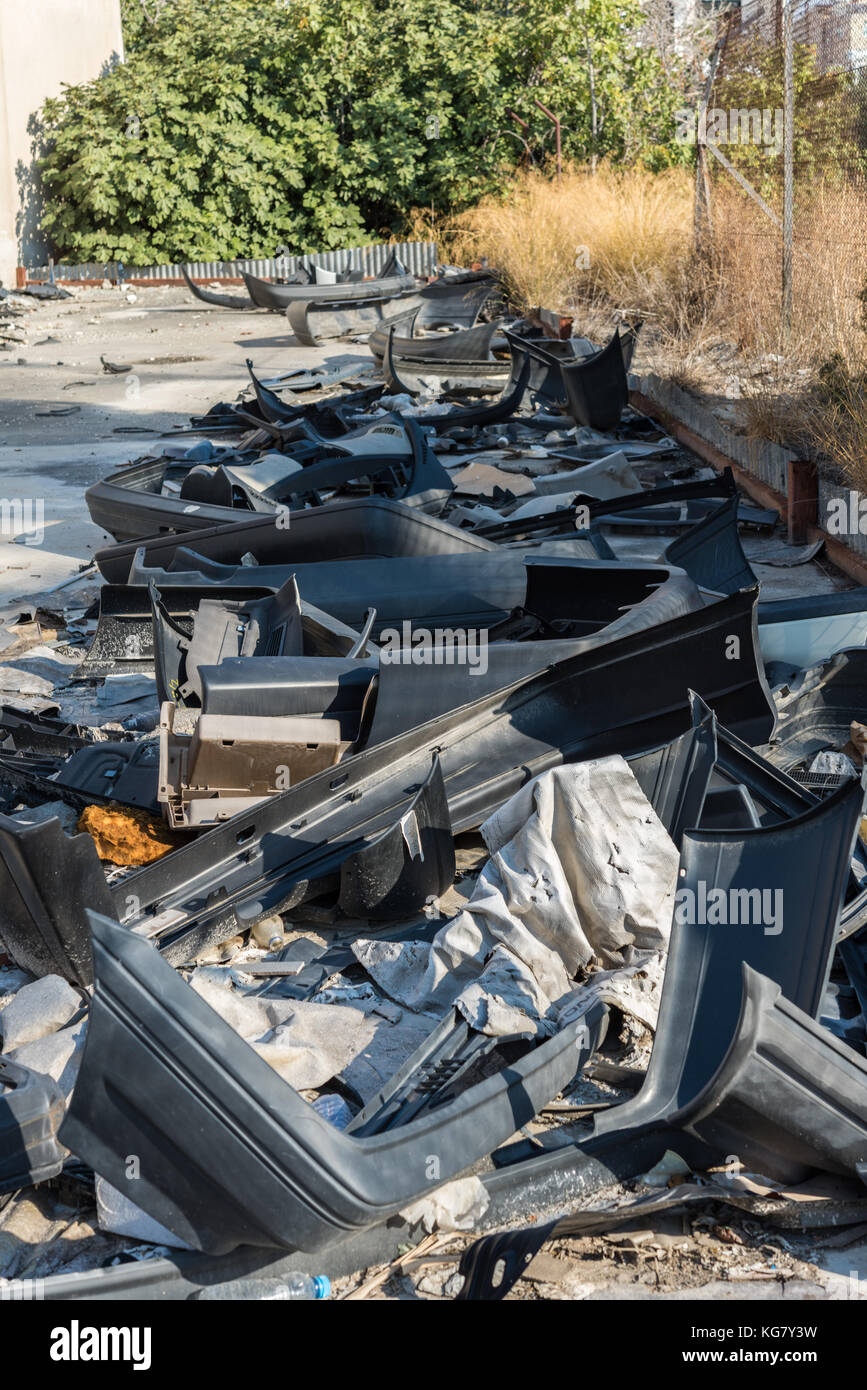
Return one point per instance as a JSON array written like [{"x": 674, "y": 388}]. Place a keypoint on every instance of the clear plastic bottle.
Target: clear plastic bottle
[
  {"x": 268, "y": 933},
  {"x": 301, "y": 1286}
]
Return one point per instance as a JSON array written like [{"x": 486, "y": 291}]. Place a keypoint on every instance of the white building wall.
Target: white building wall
[{"x": 43, "y": 43}]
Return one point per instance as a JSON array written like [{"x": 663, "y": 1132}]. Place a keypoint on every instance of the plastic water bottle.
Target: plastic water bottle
[{"x": 302, "y": 1286}]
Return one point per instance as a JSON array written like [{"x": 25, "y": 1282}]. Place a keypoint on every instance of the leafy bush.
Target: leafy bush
[{"x": 238, "y": 125}]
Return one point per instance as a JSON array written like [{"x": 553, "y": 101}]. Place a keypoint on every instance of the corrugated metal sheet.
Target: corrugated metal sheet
[{"x": 419, "y": 257}]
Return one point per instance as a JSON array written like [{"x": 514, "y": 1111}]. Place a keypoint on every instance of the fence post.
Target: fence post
[
  {"x": 788, "y": 167},
  {"x": 702, "y": 223},
  {"x": 802, "y": 497}
]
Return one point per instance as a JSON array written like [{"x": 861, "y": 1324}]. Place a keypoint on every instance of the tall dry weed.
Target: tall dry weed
[
  {"x": 618, "y": 235},
  {"x": 622, "y": 240}
]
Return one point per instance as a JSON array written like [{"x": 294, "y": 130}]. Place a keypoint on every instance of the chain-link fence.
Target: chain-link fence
[{"x": 781, "y": 185}]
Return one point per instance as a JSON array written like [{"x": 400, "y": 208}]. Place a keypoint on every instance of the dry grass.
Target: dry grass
[
  {"x": 805, "y": 388},
  {"x": 829, "y": 271},
  {"x": 637, "y": 230},
  {"x": 837, "y": 425},
  {"x": 617, "y": 236}
]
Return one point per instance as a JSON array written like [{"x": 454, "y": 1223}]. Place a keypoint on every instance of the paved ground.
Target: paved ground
[{"x": 65, "y": 422}]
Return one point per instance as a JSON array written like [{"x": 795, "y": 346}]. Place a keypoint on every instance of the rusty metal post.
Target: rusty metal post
[{"x": 555, "y": 121}]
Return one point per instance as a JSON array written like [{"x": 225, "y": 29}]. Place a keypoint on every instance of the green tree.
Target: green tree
[{"x": 238, "y": 125}]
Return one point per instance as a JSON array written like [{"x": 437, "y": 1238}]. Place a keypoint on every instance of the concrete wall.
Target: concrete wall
[{"x": 43, "y": 43}]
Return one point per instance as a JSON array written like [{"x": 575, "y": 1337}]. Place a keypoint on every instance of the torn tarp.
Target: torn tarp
[{"x": 581, "y": 873}]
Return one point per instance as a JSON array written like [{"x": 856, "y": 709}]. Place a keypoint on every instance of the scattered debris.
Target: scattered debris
[{"x": 473, "y": 915}]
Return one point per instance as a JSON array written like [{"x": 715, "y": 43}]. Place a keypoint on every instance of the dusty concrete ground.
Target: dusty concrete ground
[{"x": 65, "y": 422}]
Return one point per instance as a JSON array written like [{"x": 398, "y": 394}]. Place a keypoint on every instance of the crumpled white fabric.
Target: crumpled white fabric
[
  {"x": 456, "y": 1206},
  {"x": 306, "y": 1043},
  {"x": 582, "y": 874}
]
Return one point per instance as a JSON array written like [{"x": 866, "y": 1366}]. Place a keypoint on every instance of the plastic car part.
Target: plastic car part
[
  {"x": 321, "y": 687},
  {"x": 744, "y": 791},
  {"x": 127, "y": 505},
  {"x": 284, "y": 420},
  {"x": 325, "y": 688},
  {"x": 269, "y": 295},
  {"x": 787, "y": 1098},
  {"x": 654, "y": 518},
  {"x": 439, "y": 1069},
  {"x": 123, "y": 640},
  {"x": 129, "y": 622},
  {"x": 455, "y": 300},
  {"x": 287, "y": 1177},
  {"x": 600, "y": 611},
  {"x": 769, "y": 796},
  {"x": 853, "y": 953},
  {"x": 404, "y": 851},
  {"x": 114, "y": 771},
  {"x": 788, "y": 880},
  {"x": 464, "y": 345},
  {"x": 625, "y": 696},
  {"x": 222, "y": 629},
  {"x": 596, "y": 387},
  {"x": 788, "y": 1093},
  {"x": 476, "y": 592},
  {"x": 312, "y": 321},
  {"x": 274, "y": 474},
  {"x": 807, "y": 630},
  {"x": 49, "y": 880},
  {"x": 675, "y": 778},
  {"x": 491, "y": 414},
  {"x": 804, "y": 862},
  {"x": 349, "y": 529},
  {"x": 739, "y": 1064},
  {"x": 407, "y": 697},
  {"x": 597, "y": 391},
  {"x": 302, "y": 379},
  {"x": 31, "y": 780},
  {"x": 610, "y": 511},
  {"x": 786, "y": 1078},
  {"x": 546, "y": 379},
  {"x": 263, "y": 705},
  {"x": 421, "y": 480},
  {"x": 416, "y": 376},
  {"x": 472, "y": 591},
  {"x": 816, "y": 710},
  {"x": 224, "y": 301},
  {"x": 223, "y": 764},
  {"x": 40, "y": 733},
  {"x": 240, "y": 627},
  {"x": 711, "y": 552},
  {"x": 270, "y": 404},
  {"x": 31, "y": 1108},
  {"x": 185, "y": 1273}
]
